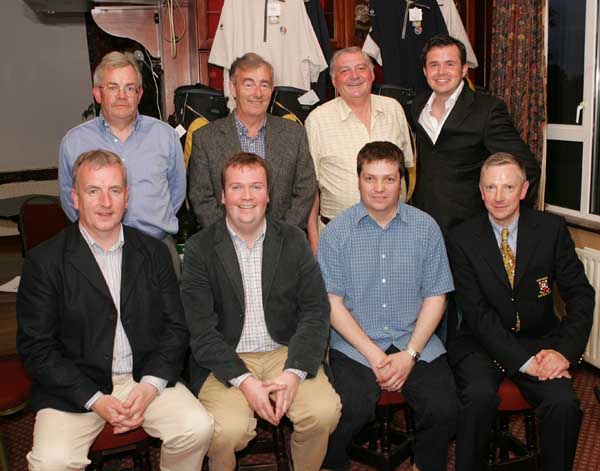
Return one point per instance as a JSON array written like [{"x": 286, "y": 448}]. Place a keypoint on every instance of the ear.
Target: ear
[
  {"x": 75, "y": 198},
  {"x": 223, "y": 197},
  {"x": 140, "y": 93},
  {"x": 465, "y": 69},
  {"x": 126, "y": 197},
  {"x": 232, "y": 89},
  {"x": 481, "y": 191},
  {"x": 524, "y": 190},
  {"x": 97, "y": 94}
]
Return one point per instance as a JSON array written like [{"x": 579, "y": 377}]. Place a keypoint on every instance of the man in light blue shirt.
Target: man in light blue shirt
[
  {"x": 149, "y": 148},
  {"x": 387, "y": 275}
]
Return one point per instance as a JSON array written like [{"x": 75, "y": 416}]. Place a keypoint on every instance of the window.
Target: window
[{"x": 572, "y": 164}]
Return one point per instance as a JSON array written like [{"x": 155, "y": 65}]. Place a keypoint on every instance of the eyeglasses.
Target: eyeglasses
[{"x": 113, "y": 90}]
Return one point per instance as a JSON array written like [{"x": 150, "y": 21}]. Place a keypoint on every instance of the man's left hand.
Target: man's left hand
[
  {"x": 284, "y": 397},
  {"x": 552, "y": 364},
  {"x": 394, "y": 370},
  {"x": 139, "y": 398}
]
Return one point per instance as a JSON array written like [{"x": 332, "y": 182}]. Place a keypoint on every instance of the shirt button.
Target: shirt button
[
  {"x": 384, "y": 305},
  {"x": 385, "y": 328},
  {"x": 383, "y": 280},
  {"x": 382, "y": 255}
]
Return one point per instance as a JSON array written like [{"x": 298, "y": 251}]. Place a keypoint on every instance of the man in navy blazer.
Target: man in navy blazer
[
  {"x": 457, "y": 129},
  {"x": 258, "y": 315},
  {"x": 249, "y": 128},
  {"x": 506, "y": 263},
  {"x": 102, "y": 333}
]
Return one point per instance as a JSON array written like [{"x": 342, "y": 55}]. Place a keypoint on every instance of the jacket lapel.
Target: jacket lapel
[
  {"x": 491, "y": 252},
  {"x": 461, "y": 110},
  {"x": 273, "y": 148},
  {"x": 527, "y": 242},
  {"x": 272, "y": 247},
  {"x": 79, "y": 254},
  {"x": 130, "y": 267},
  {"x": 226, "y": 253},
  {"x": 229, "y": 141},
  {"x": 416, "y": 110}
]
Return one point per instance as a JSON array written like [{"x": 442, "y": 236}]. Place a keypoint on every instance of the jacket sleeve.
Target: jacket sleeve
[
  {"x": 305, "y": 184},
  {"x": 480, "y": 315},
  {"x": 578, "y": 295},
  {"x": 203, "y": 196},
  {"x": 38, "y": 331},
  {"x": 500, "y": 135},
  {"x": 208, "y": 346}
]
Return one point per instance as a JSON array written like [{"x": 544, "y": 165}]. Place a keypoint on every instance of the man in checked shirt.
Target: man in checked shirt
[
  {"x": 258, "y": 315},
  {"x": 101, "y": 331}
]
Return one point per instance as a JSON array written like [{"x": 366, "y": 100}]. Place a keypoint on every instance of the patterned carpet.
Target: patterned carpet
[{"x": 17, "y": 432}]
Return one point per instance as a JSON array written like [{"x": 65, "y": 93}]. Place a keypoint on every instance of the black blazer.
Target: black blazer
[
  {"x": 292, "y": 181},
  {"x": 67, "y": 318},
  {"x": 447, "y": 184},
  {"x": 545, "y": 256},
  {"x": 294, "y": 299}
]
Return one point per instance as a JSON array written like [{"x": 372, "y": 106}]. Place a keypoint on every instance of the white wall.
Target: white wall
[{"x": 45, "y": 84}]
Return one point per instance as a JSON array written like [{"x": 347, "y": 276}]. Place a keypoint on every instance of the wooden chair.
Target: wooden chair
[
  {"x": 15, "y": 386},
  {"x": 507, "y": 452},
  {"x": 40, "y": 218},
  {"x": 269, "y": 439},
  {"x": 109, "y": 445},
  {"x": 381, "y": 444}
]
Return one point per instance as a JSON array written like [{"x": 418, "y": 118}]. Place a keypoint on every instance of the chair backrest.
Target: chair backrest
[
  {"x": 40, "y": 218},
  {"x": 285, "y": 104}
]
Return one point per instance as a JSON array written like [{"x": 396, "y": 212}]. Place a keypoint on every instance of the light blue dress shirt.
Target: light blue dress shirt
[
  {"x": 155, "y": 170},
  {"x": 385, "y": 274}
]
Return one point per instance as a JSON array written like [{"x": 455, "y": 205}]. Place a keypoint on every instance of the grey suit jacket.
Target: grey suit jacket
[
  {"x": 292, "y": 182},
  {"x": 295, "y": 302}
]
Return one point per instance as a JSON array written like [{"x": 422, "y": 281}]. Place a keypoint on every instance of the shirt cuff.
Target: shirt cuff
[
  {"x": 159, "y": 383},
  {"x": 237, "y": 381},
  {"x": 90, "y": 403},
  {"x": 525, "y": 365},
  {"x": 301, "y": 374}
]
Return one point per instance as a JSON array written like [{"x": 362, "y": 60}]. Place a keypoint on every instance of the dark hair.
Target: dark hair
[
  {"x": 249, "y": 61},
  {"x": 444, "y": 40},
  {"x": 244, "y": 159},
  {"x": 503, "y": 158},
  {"x": 380, "y": 150}
]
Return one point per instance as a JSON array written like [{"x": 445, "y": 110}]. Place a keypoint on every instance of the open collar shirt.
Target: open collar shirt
[
  {"x": 384, "y": 275},
  {"x": 432, "y": 126},
  {"x": 255, "y": 145}
]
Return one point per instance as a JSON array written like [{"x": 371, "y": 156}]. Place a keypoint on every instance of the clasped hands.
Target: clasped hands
[
  {"x": 127, "y": 415},
  {"x": 548, "y": 364},
  {"x": 392, "y": 370},
  {"x": 271, "y": 399}
]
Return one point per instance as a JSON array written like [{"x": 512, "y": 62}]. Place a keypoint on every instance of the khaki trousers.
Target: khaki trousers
[
  {"x": 61, "y": 440},
  {"x": 314, "y": 412}
]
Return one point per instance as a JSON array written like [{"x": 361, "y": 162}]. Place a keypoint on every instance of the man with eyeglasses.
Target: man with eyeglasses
[
  {"x": 149, "y": 148},
  {"x": 249, "y": 128}
]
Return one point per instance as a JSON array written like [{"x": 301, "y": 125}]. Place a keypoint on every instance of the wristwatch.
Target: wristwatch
[{"x": 413, "y": 353}]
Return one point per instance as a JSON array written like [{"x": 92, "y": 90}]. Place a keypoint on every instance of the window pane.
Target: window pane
[
  {"x": 566, "y": 43},
  {"x": 563, "y": 174}
]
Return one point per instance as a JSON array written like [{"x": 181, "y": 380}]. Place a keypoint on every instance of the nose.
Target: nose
[
  {"x": 121, "y": 93},
  {"x": 499, "y": 194},
  {"x": 379, "y": 186},
  {"x": 246, "y": 193},
  {"x": 105, "y": 199}
]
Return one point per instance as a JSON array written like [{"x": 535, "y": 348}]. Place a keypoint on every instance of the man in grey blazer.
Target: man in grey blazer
[
  {"x": 282, "y": 143},
  {"x": 258, "y": 316}
]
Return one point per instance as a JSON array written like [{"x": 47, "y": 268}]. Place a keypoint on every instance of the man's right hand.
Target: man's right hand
[
  {"x": 112, "y": 411},
  {"x": 257, "y": 395}
]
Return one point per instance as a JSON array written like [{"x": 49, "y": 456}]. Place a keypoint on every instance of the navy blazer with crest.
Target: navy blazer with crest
[
  {"x": 447, "y": 186},
  {"x": 545, "y": 256},
  {"x": 67, "y": 318},
  {"x": 295, "y": 302}
]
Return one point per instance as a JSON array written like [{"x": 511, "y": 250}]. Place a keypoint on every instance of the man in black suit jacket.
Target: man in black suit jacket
[
  {"x": 509, "y": 327},
  {"x": 457, "y": 129},
  {"x": 101, "y": 331},
  {"x": 258, "y": 314},
  {"x": 249, "y": 128}
]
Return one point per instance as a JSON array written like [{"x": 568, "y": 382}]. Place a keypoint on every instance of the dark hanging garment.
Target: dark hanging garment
[
  {"x": 401, "y": 57},
  {"x": 317, "y": 19}
]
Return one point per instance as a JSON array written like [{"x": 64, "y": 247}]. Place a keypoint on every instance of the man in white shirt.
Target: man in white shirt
[
  {"x": 457, "y": 129},
  {"x": 101, "y": 331},
  {"x": 338, "y": 129}
]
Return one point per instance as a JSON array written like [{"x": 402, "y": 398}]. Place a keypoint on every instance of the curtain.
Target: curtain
[{"x": 518, "y": 69}]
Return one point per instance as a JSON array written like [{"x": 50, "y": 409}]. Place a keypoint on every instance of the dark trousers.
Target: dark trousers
[
  {"x": 557, "y": 411},
  {"x": 429, "y": 391}
]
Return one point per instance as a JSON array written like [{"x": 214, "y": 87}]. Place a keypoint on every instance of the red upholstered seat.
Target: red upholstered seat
[
  {"x": 107, "y": 440},
  {"x": 511, "y": 398},
  {"x": 389, "y": 398},
  {"x": 15, "y": 385}
]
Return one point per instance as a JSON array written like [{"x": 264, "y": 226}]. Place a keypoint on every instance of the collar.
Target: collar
[
  {"x": 239, "y": 240},
  {"x": 105, "y": 125},
  {"x": 95, "y": 246},
  {"x": 451, "y": 99},
  {"x": 362, "y": 212},
  {"x": 243, "y": 130},
  {"x": 498, "y": 228},
  {"x": 346, "y": 111}
]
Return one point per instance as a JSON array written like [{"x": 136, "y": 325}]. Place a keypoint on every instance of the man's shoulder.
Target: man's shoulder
[
  {"x": 156, "y": 125},
  {"x": 135, "y": 236},
  {"x": 87, "y": 127},
  {"x": 55, "y": 246},
  {"x": 326, "y": 110},
  {"x": 341, "y": 227}
]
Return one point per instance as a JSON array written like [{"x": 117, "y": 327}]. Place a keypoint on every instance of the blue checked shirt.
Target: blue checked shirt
[
  {"x": 385, "y": 274},
  {"x": 153, "y": 158},
  {"x": 254, "y": 145}
]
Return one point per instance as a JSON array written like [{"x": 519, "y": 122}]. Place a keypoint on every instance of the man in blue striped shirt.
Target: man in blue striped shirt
[{"x": 387, "y": 275}]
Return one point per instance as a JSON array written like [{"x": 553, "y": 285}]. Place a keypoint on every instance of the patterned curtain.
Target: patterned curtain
[{"x": 518, "y": 69}]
